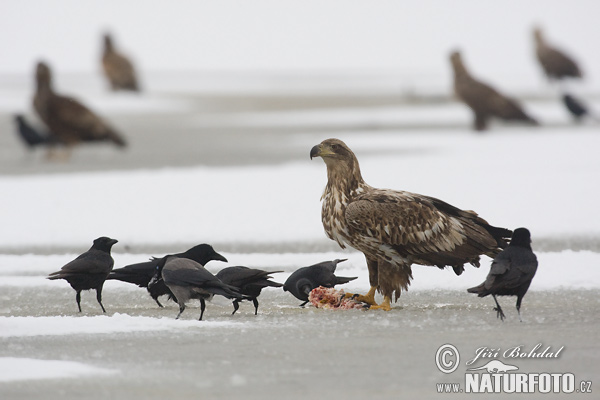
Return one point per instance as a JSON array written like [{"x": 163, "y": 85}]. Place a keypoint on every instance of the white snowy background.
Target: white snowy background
[{"x": 545, "y": 178}]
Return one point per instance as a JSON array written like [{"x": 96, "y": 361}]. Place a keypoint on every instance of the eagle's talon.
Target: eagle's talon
[{"x": 385, "y": 305}]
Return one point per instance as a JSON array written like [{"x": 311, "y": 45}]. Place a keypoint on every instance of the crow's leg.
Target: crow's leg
[
  {"x": 181, "y": 308},
  {"x": 498, "y": 309},
  {"x": 303, "y": 304},
  {"x": 78, "y": 299},
  {"x": 99, "y": 298},
  {"x": 157, "y": 302},
  {"x": 255, "y": 302},
  {"x": 519, "y": 298},
  {"x": 236, "y": 306},
  {"x": 202, "y": 308}
]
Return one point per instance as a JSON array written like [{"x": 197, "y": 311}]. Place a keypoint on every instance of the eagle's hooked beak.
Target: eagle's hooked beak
[
  {"x": 320, "y": 150},
  {"x": 315, "y": 151}
]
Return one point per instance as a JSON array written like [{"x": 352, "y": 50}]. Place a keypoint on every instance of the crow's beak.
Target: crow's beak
[
  {"x": 114, "y": 241},
  {"x": 218, "y": 257}
]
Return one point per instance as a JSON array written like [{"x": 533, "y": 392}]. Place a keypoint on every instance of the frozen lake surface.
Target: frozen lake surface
[{"x": 234, "y": 171}]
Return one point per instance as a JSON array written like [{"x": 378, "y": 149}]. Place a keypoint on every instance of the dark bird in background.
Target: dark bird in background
[
  {"x": 118, "y": 69},
  {"x": 304, "y": 280},
  {"x": 395, "y": 229},
  {"x": 141, "y": 273},
  {"x": 188, "y": 280},
  {"x": 482, "y": 99},
  {"x": 30, "y": 135},
  {"x": 555, "y": 63},
  {"x": 576, "y": 107},
  {"x": 511, "y": 272},
  {"x": 89, "y": 270},
  {"x": 67, "y": 119},
  {"x": 249, "y": 282}
]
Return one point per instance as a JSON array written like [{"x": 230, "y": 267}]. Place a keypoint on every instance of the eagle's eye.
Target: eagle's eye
[{"x": 334, "y": 147}]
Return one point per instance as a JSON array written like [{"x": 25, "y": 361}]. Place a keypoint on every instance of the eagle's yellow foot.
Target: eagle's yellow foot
[
  {"x": 385, "y": 305},
  {"x": 369, "y": 298}
]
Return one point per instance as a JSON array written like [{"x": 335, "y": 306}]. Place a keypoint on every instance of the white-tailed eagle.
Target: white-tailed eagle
[
  {"x": 555, "y": 63},
  {"x": 118, "y": 69},
  {"x": 485, "y": 101},
  {"x": 395, "y": 229},
  {"x": 68, "y": 120}
]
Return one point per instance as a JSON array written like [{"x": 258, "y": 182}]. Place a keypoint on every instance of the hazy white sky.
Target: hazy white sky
[{"x": 307, "y": 35}]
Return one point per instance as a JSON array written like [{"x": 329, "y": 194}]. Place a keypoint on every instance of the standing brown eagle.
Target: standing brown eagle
[
  {"x": 484, "y": 100},
  {"x": 556, "y": 64},
  {"x": 68, "y": 120},
  {"x": 395, "y": 229},
  {"x": 117, "y": 68}
]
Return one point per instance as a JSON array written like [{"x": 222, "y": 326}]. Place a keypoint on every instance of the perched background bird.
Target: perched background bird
[
  {"x": 395, "y": 229},
  {"x": 555, "y": 63},
  {"x": 67, "y": 119},
  {"x": 249, "y": 282},
  {"x": 141, "y": 273},
  {"x": 189, "y": 280},
  {"x": 482, "y": 99},
  {"x": 89, "y": 270},
  {"x": 118, "y": 69},
  {"x": 511, "y": 272},
  {"x": 302, "y": 281},
  {"x": 30, "y": 135}
]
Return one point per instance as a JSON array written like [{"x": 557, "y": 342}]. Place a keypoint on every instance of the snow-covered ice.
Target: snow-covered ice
[
  {"x": 64, "y": 325},
  {"x": 16, "y": 369}
]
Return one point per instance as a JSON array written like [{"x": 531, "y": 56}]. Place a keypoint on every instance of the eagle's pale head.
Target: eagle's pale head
[
  {"x": 108, "y": 43},
  {"x": 332, "y": 151},
  {"x": 43, "y": 75},
  {"x": 537, "y": 35},
  {"x": 456, "y": 60},
  {"x": 342, "y": 165}
]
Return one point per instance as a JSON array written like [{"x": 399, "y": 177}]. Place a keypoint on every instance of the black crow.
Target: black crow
[
  {"x": 575, "y": 107},
  {"x": 30, "y": 135},
  {"x": 511, "y": 272},
  {"x": 249, "y": 281},
  {"x": 188, "y": 279},
  {"x": 303, "y": 280},
  {"x": 140, "y": 274},
  {"x": 89, "y": 270}
]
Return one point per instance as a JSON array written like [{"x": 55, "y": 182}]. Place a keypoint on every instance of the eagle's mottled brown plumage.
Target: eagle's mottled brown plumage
[
  {"x": 395, "y": 229},
  {"x": 118, "y": 69},
  {"x": 68, "y": 120},
  {"x": 556, "y": 64},
  {"x": 484, "y": 100}
]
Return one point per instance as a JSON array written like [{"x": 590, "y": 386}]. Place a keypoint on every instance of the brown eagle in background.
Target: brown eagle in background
[
  {"x": 117, "y": 68},
  {"x": 484, "y": 100},
  {"x": 556, "y": 64},
  {"x": 69, "y": 121},
  {"x": 395, "y": 229}
]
